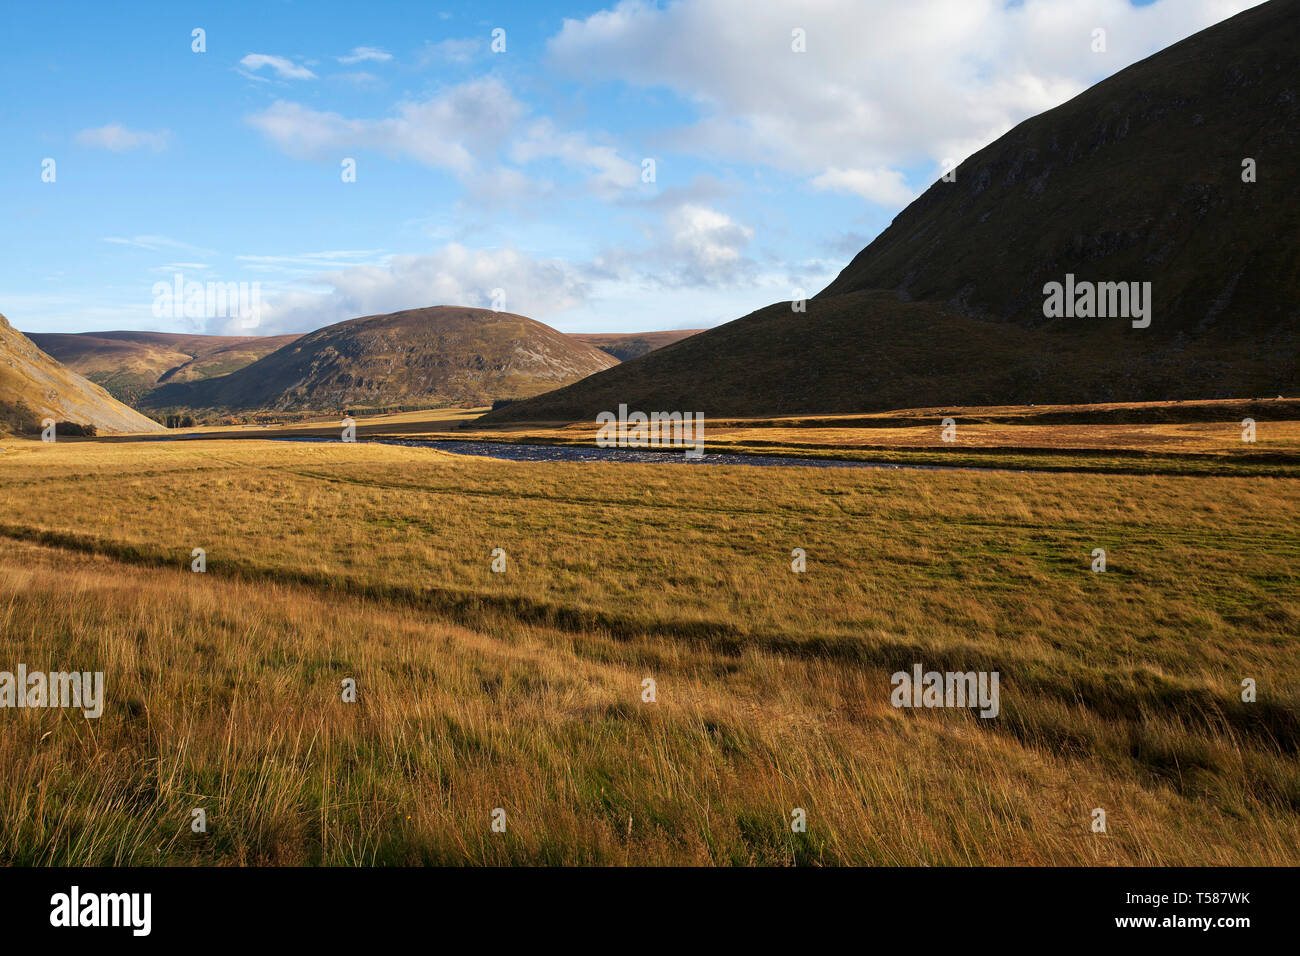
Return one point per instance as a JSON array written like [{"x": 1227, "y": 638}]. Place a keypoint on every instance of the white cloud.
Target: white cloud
[
  {"x": 363, "y": 54},
  {"x": 706, "y": 246},
  {"x": 446, "y": 131},
  {"x": 695, "y": 263},
  {"x": 885, "y": 187},
  {"x": 611, "y": 174},
  {"x": 182, "y": 267},
  {"x": 461, "y": 129},
  {"x": 453, "y": 275},
  {"x": 691, "y": 246},
  {"x": 286, "y": 69},
  {"x": 157, "y": 244},
  {"x": 120, "y": 139},
  {"x": 882, "y": 85},
  {"x": 624, "y": 305},
  {"x": 308, "y": 263}
]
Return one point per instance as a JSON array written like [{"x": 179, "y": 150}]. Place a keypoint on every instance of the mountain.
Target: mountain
[
  {"x": 625, "y": 346},
  {"x": 1138, "y": 179},
  {"x": 131, "y": 364},
  {"x": 34, "y": 387},
  {"x": 439, "y": 355}
]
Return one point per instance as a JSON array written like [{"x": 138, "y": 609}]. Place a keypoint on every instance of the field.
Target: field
[
  {"x": 523, "y": 690},
  {"x": 1201, "y": 438}
]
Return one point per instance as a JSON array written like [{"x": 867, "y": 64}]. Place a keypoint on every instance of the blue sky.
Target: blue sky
[{"x": 518, "y": 170}]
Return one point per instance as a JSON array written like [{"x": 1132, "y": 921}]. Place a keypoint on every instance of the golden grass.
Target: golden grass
[
  {"x": 523, "y": 690},
  {"x": 1133, "y": 437}
]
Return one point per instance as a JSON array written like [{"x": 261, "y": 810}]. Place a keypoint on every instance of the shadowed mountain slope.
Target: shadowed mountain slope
[
  {"x": 626, "y": 346},
  {"x": 1138, "y": 179}
]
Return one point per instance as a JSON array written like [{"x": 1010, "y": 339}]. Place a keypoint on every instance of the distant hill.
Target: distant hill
[
  {"x": 33, "y": 387},
  {"x": 629, "y": 345},
  {"x": 438, "y": 355},
  {"x": 131, "y": 364},
  {"x": 1138, "y": 179}
]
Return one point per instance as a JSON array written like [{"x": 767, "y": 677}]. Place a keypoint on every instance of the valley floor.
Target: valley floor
[
  {"x": 1193, "y": 438},
  {"x": 523, "y": 690}
]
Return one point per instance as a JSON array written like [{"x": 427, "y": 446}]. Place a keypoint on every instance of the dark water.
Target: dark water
[{"x": 507, "y": 451}]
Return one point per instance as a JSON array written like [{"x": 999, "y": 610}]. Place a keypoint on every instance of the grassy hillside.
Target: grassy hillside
[
  {"x": 629, "y": 345},
  {"x": 34, "y": 387},
  {"x": 868, "y": 351},
  {"x": 1138, "y": 179},
  {"x": 445, "y": 354},
  {"x": 131, "y": 364}
]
